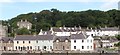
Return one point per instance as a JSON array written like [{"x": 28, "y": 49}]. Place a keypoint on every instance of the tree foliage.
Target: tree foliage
[
  {"x": 23, "y": 31},
  {"x": 51, "y": 18}
]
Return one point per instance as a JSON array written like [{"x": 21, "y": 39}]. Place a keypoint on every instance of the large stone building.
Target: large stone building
[{"x": 24, "y": 24}]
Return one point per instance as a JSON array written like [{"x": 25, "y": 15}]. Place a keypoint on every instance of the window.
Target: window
[
  {"x": 36, "y": 41},
  {"x": 82, "y": 41},
  {"x": 19, "y": 47},
  {"x": 38, "y": 47},
  {"x": 87, "y": 47},
  {"x": 50, "y": 47},
  {"x": 67, "y": 47},
  {"x": 45, "y": 47},
  {"x": 91, "y": 34},
  {"x": 23, "y": 42},
  {"x": 91, "y": 41},
  {"x": 57, "y": 40},
  {"x": 74, "y": 47},
  {"x": 82, "y": 47},
  {"x": 66, "y": 40},
  {"x": 28, "y": 47},
  {"x": 87, "y": 40},
  {"x": 91, "y": 47},
  {"x": 56, "y": 47},
  {"x": 16, "y": 47},
  {"x": 29, "y": 42},
  {"x": 74, "y": 41},
  {"x": 17, "y": 42}
]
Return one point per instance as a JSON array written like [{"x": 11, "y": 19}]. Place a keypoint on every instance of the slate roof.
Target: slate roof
[
  {"x": 110, "y": 29},
  {"x": 57, "y": 29},
  {"x": 66, "y": 29},
  {"x": 32, "y": 37},
  {"x": 62, "y": 38},
  {"x": 7, "y": 39},
  {"x": 78, "y": 36},
  {"x": 46, "y": 32}
]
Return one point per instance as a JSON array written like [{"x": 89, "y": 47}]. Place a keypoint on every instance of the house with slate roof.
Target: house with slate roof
[
  {"x": 63, "y": 31},
  {"x": 30, "y": 42},
  {"x": 81, "y": 42},
  {"x": 24, "y": 24},
  {"x": 107, "y": 31},
  {"x": 6, "y": 43},
  {"x": 62, "y": 43}
]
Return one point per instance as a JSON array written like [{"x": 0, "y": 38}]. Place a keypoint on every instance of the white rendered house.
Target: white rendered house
[
  {"x": 62, "y": 31},
  {"x": 81, "y": 42},
  {"x": 30, "y": 42},
  {"x": 107, "y": 31}
]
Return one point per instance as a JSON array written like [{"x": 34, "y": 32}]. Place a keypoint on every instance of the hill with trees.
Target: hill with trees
[{"x": 55, "y": 18}]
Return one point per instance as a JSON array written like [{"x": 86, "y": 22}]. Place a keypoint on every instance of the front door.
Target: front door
[{"x": 63, "y": 47}]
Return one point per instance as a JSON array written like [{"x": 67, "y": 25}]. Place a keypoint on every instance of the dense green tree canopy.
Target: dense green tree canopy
[
  {"x": 55, "y": 18},
  {"x": 23, "y": 31}
]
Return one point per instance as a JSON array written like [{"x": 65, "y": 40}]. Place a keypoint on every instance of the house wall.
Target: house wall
[
  {"x": 102, "y": 33},
  {"x": 35, "y": 44},
  {"x": 64, "y": 33},
  {"x": 42, "y": 43},
  {"x": 7, "y": 46},
  {"x": 25, "y": 44},
  {"x": 88, "y": 44},
  {"x": 57, "y": 46}
]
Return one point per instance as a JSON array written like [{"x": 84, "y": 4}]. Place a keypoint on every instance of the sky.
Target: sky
[{"x": 12, "y": 8}]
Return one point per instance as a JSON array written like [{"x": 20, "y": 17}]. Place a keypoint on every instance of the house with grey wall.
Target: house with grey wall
[
  {"x": 6, "y": 43},
  {"x": 62, "y": 43}
]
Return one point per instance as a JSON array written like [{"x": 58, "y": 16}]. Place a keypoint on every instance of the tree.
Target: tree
[
  {"x": 58, "y": 24},
  {"x": 118, "y": 37},
  {"x": 23, "y": 31},
  {"x": 54, "y": 17},
  {"x": 118, "y": 44}
]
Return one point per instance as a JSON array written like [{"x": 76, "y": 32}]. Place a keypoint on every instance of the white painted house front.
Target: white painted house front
[
  {"x": 30, "y": 42},
  {"x": 81, "y": 42},
  {"x": 107, "y": 31},
  {"x": 63, "y": 31}
]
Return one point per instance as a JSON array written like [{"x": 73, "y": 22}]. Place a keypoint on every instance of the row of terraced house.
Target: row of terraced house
[{"x": 58, "y": 39}]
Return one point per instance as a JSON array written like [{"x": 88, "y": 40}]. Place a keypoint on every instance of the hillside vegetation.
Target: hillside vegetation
[{"x": 55, "y": 18}]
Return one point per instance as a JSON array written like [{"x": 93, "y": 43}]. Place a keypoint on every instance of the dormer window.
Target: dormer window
[
  {"x": 57, "y": 40},
  {"x": 66, "y": 40},
  {"x": 9, "y": 41}
]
